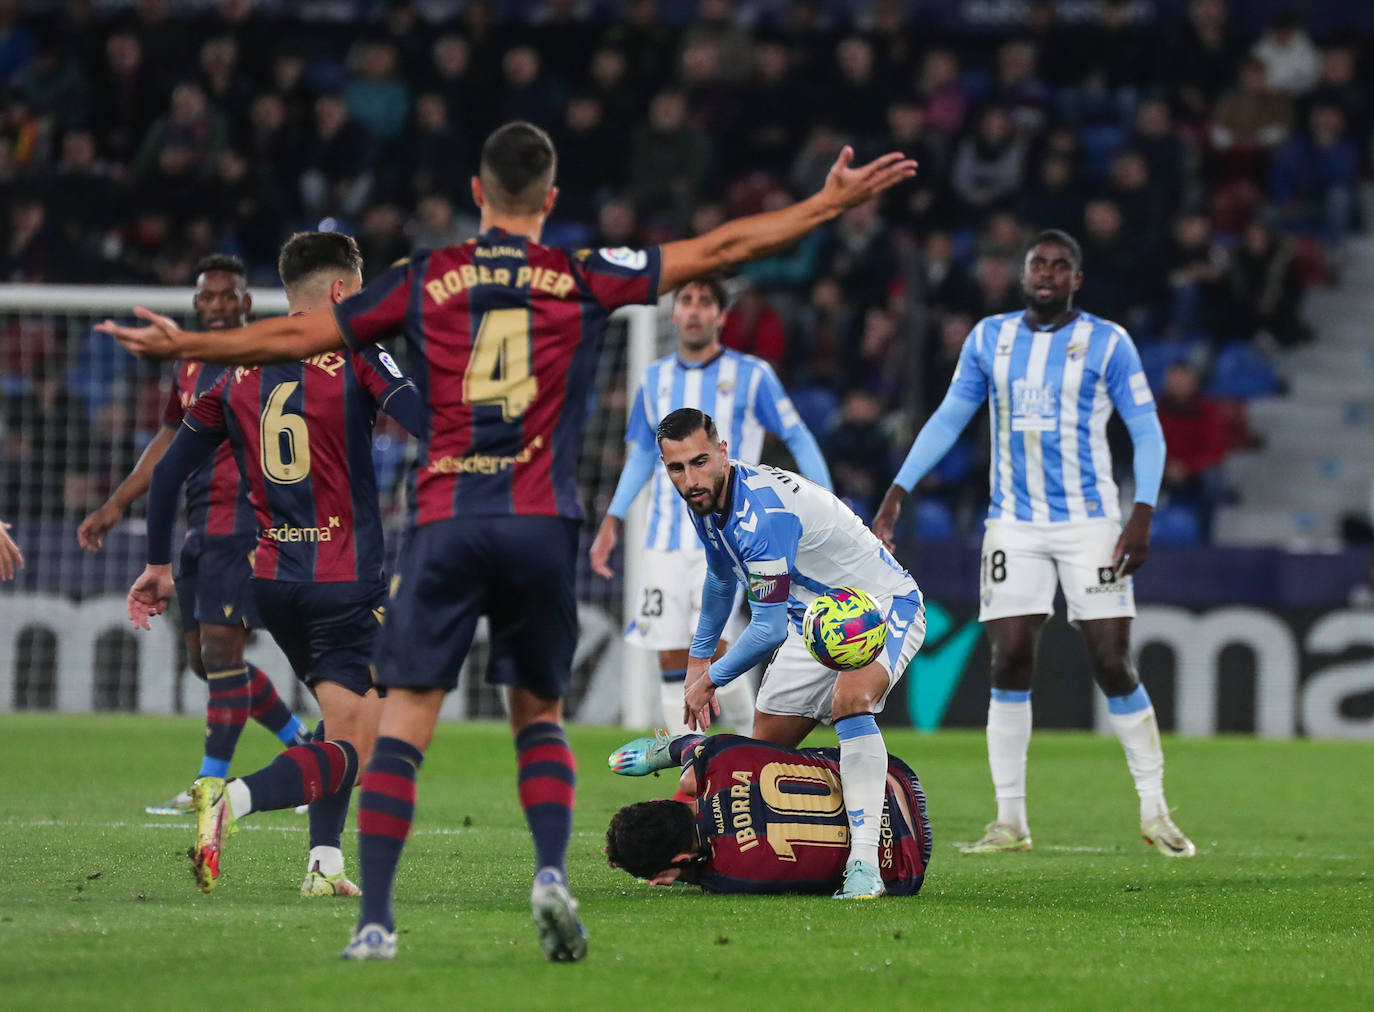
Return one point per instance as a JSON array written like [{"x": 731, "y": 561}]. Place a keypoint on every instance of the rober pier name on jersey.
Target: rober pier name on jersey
[{"x": 451, "y": 282}]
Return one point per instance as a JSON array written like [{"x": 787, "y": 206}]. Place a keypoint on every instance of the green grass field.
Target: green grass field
[{"x": 97, "y": 909}]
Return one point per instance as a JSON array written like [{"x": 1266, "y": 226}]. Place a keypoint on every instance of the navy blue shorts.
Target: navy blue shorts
[
  {"x": 328, "y": 631},
  {"x": 517, "y": 570},
  {"x": 214, "y": 582}
]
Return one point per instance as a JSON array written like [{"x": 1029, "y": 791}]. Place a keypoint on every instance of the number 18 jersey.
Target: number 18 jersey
[{"x": 774, "y": 820}]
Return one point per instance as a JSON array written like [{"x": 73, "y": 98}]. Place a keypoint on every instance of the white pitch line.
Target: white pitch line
[{"x": 186, "y": 825}]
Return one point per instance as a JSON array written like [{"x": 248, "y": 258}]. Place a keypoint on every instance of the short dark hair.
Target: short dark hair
[
  {"x": 226, "y": 262},
  {"x": 1060, "y": 238},
  {"x": 308, "y": 252},
  {"x": 645, "y": 837},
  {"x": 518, "y": 163},
  {"x": 680, "y": 424},
  {"x": 712, "y": 283}
]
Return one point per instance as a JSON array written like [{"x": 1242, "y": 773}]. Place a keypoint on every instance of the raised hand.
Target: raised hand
[
  {"x": 847, "y": 186},
  {"x": 157, "y": 340}
]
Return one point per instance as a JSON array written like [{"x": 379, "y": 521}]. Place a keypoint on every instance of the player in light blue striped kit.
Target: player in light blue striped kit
[
  {"x": 1052, "y": 375},
  {"x": 745, "y": 397}
]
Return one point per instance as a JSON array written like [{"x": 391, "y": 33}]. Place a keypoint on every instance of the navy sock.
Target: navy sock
[
  {"x": 548, "y": 778},
  {"x": 304, "y": 774},
  {"x": 267, "y": 708},
  {"x": 328, "y": 815},
  {"x": 678, "y": 748},
  {"x": 225, "y": 715},
  {"x": 386, "y": 807}
]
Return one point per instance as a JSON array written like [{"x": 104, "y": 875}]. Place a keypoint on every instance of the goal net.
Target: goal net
[{"x": 78, "y": 411}]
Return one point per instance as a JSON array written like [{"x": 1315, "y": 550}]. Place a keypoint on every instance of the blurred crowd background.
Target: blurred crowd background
[{"x": 1210, "y": 165}]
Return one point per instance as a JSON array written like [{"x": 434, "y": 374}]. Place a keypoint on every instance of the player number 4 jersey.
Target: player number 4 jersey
[
  {"x": 774, "y": 820},
  {"x": 506, "y": 333}
]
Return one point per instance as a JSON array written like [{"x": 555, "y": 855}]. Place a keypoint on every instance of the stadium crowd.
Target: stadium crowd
[{"x": 1210, "y": 178}]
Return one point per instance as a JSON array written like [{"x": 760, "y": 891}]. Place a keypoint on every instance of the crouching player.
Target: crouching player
[
  {"x": 302, "y": 435},
  {"x": 762, "y": 819},
  {"x": 788, "y": 541}
]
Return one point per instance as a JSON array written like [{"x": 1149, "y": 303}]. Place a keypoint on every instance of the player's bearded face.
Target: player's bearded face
[
  {"x": 1048, "y": 279},
  {"x": 698, "y": 469}
]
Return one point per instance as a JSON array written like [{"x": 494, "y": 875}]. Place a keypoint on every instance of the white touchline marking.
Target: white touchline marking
[{"x": 185, "y": 825}]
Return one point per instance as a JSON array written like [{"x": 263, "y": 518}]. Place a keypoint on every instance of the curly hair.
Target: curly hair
[{"x": 643, "y": 838}]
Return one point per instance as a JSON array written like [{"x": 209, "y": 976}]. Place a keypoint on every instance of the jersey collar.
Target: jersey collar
[
  {"x": 1071, "y": 318},
  {"x": 682, "y": 364}
]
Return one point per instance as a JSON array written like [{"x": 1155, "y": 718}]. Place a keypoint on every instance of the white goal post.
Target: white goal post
[{"x": 45, "y": 324}]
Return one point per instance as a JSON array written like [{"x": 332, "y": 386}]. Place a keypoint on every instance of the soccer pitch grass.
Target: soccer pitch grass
[{"x": 97, "y": 909}]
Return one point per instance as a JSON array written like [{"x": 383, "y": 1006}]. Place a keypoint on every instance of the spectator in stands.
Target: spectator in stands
[
  {"x": 862, "y": 453},
  {"x": 452, "y": 76},
  {"x": 712, "y": 101},
  {"x": 1055, "y": 198},
  {"x": 381, "y": 238},
  {"x": 622, "y": 104},
  {"x": 1338, "y": 85},
  {"x": 225, "y": 86},
  {"x": 35, "y": 248},
  {"x": 431, "y": 157},
  {"x": 669, "y": 159},
  {"x": 1266, "y": 289},
  {"x": 273, "y": 147},
  {"x": 1123, "y": 60},
  {"x": 1142, "y": 205},
  {"x": 862, "y": 255},
  {"x": 246, "y": 209},
  {"x": 85, "y": 182},
  {"x": 616, "y": 224},
  {"x": 290, "y": 88},
  {"x": 858, "y": 95},
  {"x": 770, "y": 123},
  {"x": 1020, "y": 90},
  {"x": 1197, "y": 280},
  {"x": 754, "y": 327},
  {"x": 790, "y": 269},
  {"x": 1118, "y": 269},
  {"x": 126, "y": 96},
  {"x": 880, "y": 361},
  {"x": 944, "y": 96},
  {"x": 989, "y": 164},
  {"x": 528, "y": 93},
  {"x": 16, "y": 42},
  {"x": 27, "y": 134},
  {"x": 1253, "y": 117},
  {"x": 53, "y": 84},
  {"x": 1289, "y": 55},
  {"x": 337, "y": 176},
  {"x": 648, "y": 44},
  {"x": 191, "y": 125},
  {"x": 1313, "y": 177},
  {"x": 1203, "y": 55},
  {"x": 915, "y": 203},
  {"x": 943, "y": 279},
  {"x": 378, "y": 100},
  {"x": 1166, "y": 154},
  {"x": 995, "y": 289},
  {"x": 718, "y": 26},
  {"x": 437, "y": 224},
  {"x": 818, "y": 153},
  {"x": 941, "y": 357},
  {"x": 1196, "y": 444}
]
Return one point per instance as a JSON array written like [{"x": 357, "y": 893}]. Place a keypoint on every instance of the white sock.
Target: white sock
[
  {"x": 240, "y": 798},
  {"x": 330, "y": 860},
  {"x": 1009, "y": 733},
  {"x": 1133, "y": 719},
  {"x": 736, "y": 704},
  {"x": 863, "y": 779},
  {"x": 672, "y": 706}
]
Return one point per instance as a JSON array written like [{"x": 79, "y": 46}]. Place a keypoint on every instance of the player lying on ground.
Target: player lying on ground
[
  {"x": 212, "y": 583},
  {"x": 743, "y": 395},
  {"x": 1051, "y": 375},
  {"x": 762, "y": 819},
  {"x": 302, "y": 435},
  {"x": 504, "y": 332},
  {"x": 789, "y": 541}
]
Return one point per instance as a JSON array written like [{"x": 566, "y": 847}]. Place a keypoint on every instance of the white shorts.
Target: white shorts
[
  {"x": 669, "y": 601},
  {"x": 797, "y": 685},
  {"x": 1023, "y": 561}
]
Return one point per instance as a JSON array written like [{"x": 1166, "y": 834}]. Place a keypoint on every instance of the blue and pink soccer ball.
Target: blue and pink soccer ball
[{"x": 844, "y": 629}]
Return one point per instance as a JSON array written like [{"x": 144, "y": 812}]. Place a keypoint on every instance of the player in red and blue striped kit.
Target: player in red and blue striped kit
[
  {"x": 762, "y": 819},
  {"x": 507, "y": 329},
  {"x": 216, "y": 602},
  {"x": 301, "y": 433}
]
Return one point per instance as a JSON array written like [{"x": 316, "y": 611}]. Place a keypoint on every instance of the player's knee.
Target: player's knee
[
  {"x": 1115, "y": 675},
  {"x": 1012, "y": 668},
  {"x": 220, "y": 649}
]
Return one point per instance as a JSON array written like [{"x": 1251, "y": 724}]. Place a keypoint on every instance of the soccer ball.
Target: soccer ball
[{"x": 844, "y": 629}]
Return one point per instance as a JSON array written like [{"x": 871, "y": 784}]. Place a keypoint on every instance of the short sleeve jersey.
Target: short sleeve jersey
[
  {"x": 774, "y": 820},
  {"x": 216, "y": 495},
  {"x": 302, "y": 434},
  {"x": 505, "y": 333},
  {"x": 1050, "y": 395}
]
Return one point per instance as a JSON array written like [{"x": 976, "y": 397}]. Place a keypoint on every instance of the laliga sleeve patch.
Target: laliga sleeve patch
[
  {"x": 390, "y": 364},
  {"x": 623, "y": 256},
  {"x": 1140, "y": 389}
]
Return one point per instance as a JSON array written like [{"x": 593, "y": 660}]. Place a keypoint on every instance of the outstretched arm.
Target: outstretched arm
[
  {"x": 277, "y": 339},
  {"x": 93, "y": 529},
  {"x": 939, "y": 433},
  {"x": 758, "y": 235}
]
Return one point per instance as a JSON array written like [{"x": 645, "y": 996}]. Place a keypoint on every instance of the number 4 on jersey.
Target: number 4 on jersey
[{"x": 499, "y": 369}]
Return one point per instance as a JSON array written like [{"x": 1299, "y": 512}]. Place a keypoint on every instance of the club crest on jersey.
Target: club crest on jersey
[
  {"x": 623, "y": 256},
  {"x": 1077, "y": 350}
]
